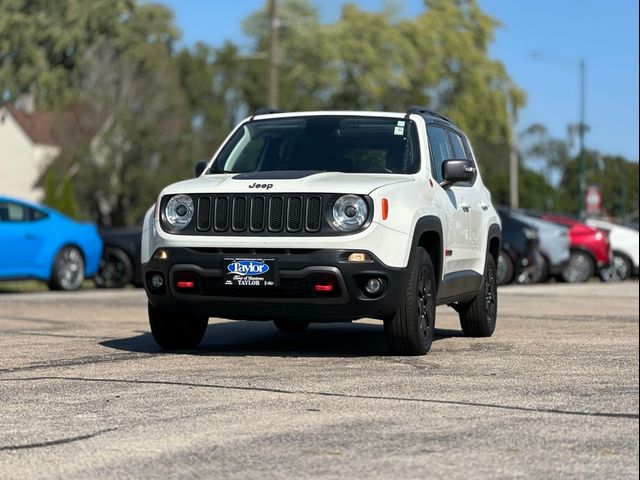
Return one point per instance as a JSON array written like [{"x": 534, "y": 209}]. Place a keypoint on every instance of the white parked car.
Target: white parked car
[
  {"x": 326, "y": 216},
  {"x": 625, "y": 245}
]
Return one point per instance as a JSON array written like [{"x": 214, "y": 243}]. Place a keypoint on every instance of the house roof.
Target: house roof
[{"x": 38, "y": 126}]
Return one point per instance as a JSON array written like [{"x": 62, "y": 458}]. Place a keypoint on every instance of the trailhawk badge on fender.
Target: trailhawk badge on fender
[{"x": 250, "y": 272}]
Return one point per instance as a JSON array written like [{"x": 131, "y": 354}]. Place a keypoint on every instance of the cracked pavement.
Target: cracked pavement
[{"x": 85, "y": 393}]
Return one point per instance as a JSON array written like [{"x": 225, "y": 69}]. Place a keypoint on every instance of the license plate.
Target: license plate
[{"x": 250, "y": 272}]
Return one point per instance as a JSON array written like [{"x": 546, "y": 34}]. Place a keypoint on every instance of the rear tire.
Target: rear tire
[
  {"x": 116, "y": 269},
  {"x": 176, "y": 331},
  {"x": 291, "y": 326},
  {"x": 505, "y": 270},
  {"x": 580, "y": 269},
  {"x": 68, "y": 270},
  {"x": 410, "y": 330},
  {"x": 539, "y": 273},
  {"x": 478, "y": 317}
]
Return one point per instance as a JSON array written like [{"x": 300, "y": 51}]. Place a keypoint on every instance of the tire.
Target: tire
[
  {"x": 580, "y": 268},
  {"x": 538, "y": 274},
  {"x": 67, "y": 272},
  {"x": 505, "y": 270},
  {"x": 176, "y": 331},
  {"x": 291, "y": 326},
  {"x": 478, "y": 317},
  {"x": 409, "y": 331},
  {"x": 116, "y": 269},
  {"x": 618, "y": 271}
]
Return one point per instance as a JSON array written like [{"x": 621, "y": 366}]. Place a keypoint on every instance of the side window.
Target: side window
[
  {"x": 440, "y": 149},
  {"x": 458, "y": 145},
  {"x": 13, "y": 212}
]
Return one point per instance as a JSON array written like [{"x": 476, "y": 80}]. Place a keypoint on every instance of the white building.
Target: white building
[{"x": 26, "y": 148}]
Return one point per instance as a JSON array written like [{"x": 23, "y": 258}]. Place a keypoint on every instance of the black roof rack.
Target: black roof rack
[
  {"x": 426, "y": 111},
  {"x": 267, "y": 111}
]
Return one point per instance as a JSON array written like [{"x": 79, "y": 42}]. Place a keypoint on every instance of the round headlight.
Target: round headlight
[
  {"x": 349, "y": 213},
  {"x": 179, "y": 211}
]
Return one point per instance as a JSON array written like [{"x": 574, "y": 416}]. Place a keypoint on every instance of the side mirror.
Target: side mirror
[
  {"x": 457, "y": 171},
  {"x": 200, "y": 166}
]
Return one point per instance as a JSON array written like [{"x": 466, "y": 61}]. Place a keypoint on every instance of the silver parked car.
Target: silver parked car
[{"x": 554, "y": 247}]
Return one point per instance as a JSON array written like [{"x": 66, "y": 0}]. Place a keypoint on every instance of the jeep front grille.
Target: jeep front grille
[{"x": 251, "y": 213}]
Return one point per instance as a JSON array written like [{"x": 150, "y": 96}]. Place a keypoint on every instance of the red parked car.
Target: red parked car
[{"x": 590, "y": 249}]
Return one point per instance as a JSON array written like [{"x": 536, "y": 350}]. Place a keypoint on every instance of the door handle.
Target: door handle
[
  {"x": 465, "y": 206},
  {"x": 484, "y": 205},
  {"x": 29, "y": 236}
]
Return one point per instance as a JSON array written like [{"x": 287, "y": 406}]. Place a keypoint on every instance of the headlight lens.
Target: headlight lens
[
  {"x": 349, "y": 213},
  {"x": 179, "y": 211},
  {"x": 530, "y": 233}
]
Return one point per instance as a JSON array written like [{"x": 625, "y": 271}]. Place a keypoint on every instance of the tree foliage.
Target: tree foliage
[{"x": 135, "y": 112}]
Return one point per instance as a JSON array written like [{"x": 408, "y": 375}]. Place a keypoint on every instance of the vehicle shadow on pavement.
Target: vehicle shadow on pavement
[{"x": 249, "y": 338}]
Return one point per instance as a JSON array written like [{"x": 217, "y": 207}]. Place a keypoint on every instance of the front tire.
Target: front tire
[
  {"x": 410, "y": 330},
  {"x": 176, "y": 331},
  {"x": 505, "y": 269},
  {"x": 580, "y": 269},
  {"x": 618, "y": 271},
  {"x": 478, "y": 317},
  {"x": 68, "y": 270}
]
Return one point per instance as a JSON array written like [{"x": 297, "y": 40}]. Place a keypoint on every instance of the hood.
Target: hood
[{"x": 305, "y": 182}]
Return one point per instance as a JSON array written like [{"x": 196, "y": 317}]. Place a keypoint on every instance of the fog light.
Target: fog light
[
  {"x": 373, "y": 286},
  {"x": 161, "y": 254},
  {"x": 156, "y": 281},
  {"x": 358, "y": 257}
]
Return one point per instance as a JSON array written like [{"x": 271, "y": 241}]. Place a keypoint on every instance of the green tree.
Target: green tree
[{"x": 59, "y": 194}]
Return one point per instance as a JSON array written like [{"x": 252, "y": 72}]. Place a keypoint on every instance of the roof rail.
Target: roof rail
[
  {"x": 427, "y": 111},
  {"x": 267, "y": 111}
]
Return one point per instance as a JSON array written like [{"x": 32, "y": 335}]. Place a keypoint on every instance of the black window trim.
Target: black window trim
[{"x": 465, "y": 142}]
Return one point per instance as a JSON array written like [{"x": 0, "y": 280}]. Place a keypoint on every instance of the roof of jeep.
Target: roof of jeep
[{"x": 429, "y": 116}]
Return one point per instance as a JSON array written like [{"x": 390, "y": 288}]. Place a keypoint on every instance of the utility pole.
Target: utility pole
[
  {"x": 581, "y": 131},
  {"x": 274, "y": 25},
  {"x": 513, "y": 160}
]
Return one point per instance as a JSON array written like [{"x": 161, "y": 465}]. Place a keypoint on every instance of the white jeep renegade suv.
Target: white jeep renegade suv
[{"x": 322, "y": 217}]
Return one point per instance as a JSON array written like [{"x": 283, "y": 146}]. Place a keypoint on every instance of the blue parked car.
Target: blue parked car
[{"x": 38, "y": 242}]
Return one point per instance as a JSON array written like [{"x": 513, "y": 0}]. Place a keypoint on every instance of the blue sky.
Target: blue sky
[{"x": 561, "y": 32}]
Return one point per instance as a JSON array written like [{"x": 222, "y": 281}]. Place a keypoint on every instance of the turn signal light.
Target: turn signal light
[
  {"x": 161, "y": 254},
  {"x": 359, "y": 257},
  {"x": 385, "y": 208}
]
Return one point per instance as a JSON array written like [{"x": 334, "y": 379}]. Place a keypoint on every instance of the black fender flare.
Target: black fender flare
[{"x": 429, "y": 224}]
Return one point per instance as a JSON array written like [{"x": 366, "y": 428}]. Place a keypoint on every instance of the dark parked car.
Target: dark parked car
[
  {"x": 120, "y": 263},
  {"x": 520, "y": 250}
]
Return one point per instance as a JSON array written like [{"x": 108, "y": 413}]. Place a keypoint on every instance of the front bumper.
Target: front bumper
[{"x": 295, "y": 297}]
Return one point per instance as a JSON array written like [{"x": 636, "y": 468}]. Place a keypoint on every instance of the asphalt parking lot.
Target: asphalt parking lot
[{"x": 85, "y": 393}]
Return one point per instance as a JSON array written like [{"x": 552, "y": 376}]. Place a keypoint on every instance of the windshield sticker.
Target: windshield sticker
[
  {"x": 398, "y": 131},
  {"x": 401, "y": 123}
]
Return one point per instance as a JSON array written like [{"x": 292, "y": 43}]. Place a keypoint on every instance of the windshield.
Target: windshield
[{"x": 323, "y": 143}]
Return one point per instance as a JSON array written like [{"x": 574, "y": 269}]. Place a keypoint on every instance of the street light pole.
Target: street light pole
[
  {"x": 273, "y": 55},
  {"x": 581, "y": 131}
]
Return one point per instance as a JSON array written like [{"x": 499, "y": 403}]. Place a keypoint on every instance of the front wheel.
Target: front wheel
[
  {"x": 176, "y": 331},
  {"x": 505, "y": 269},
  {"x": 580, "y": 268},
  {"x": 409, "y": 331},
  {"x": 618, "y": 271},
  {"x": 68, "y": 270}
]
